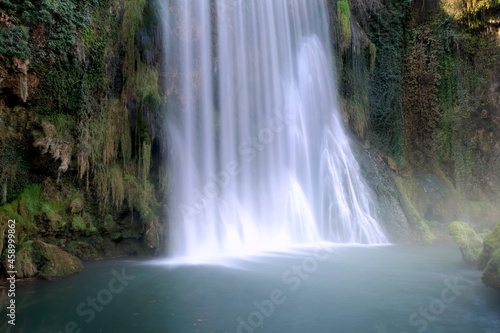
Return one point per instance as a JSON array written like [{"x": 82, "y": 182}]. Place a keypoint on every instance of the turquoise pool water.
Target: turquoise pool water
[{"x": 334, "y": 289}]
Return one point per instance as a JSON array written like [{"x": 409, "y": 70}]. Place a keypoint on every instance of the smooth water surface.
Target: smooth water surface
[{"x": 346, "y": 290}]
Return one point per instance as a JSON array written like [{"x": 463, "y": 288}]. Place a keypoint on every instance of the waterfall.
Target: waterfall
[{"x": 259, "y": 158}]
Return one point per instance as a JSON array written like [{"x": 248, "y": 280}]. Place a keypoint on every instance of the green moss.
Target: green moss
[
  {"x": 386, "y": 29},
  {"x": 82, "y": 250},
  {"x": 420, "y": 228},
  {"x": 88, "y": 79},
  {"x": 491, "y": 243},
  {"x": 24, "y": 208},
  {"x": 423, "y": 232},
  {"x": 373, "y": 55},
  {"x": 58, "y": 262},
  {"x": 36, "y": 258},
  {"x": 55, "y": 213},
  {"x": 116, "y": 179},
  {"x": 469, "y": 243},
  {"x": 131, "y": 23},
  {"x": 344, "y": 17},
  {"x": 25, "y": 264},
  {"x": 109, "y": 223},
  {"x": 147, "y": 87},
  {"x": 29, "y": 201},
  {"x": 491, "y": 274},
  {"x": 78, "y": 223}
]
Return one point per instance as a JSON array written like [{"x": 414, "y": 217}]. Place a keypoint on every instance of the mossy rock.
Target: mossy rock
[
  {"x": 25, "y": 264},
  {"x": 58, "y": 262},
  {"x": 36, "y": 258},
  {"x": 490, "y": 244},
  {"x": 469, "y": 243},
  {"x": 491, "y": 275},
  {"x": 489, "y": 259},
  {"x": 153, "y": 236}
]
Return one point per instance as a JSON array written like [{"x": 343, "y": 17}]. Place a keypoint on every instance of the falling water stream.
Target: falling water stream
[{"x": 260, "y": 159}]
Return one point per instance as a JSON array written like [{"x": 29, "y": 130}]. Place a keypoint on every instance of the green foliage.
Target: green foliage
[
  {"x": 78, "y": 223},
  {"x": 13, "y": 152},
  {"x": 70, "y": 60},
  {"x": 476, "y": 15},
  {"x": 117, "y": 186},
  {"x": 30, "y": 200},
  {"x": 75, "y": 49},
  {"x": 53, "y": 212},
  {"x": 420, "y": 105},
  {"x": 131, "y": 23},
  {"x": 60, "y": 89},
  {"x": 24, "y": 208},
  {"x": 36, "y": 209},
  {"x": 14, "y": 41},
  {"x": 82, "y": 250},
  {"x": 469, "y": 243},
  {"x": 148, "y": 90},
  {"x": 355, "y": 54},
  {"x": 465, "y": 63},
  {"x": 386, "y": 30},
  {"x": 42, "y": 29},
  {"x": 109, "y": 223}
]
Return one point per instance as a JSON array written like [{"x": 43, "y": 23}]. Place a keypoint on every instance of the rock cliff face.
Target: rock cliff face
[
  {"x": 423, "y": 95},
  {"x": 16, "y": 80},
  {"x": 80, "y": 132},
  {"x": 431, "y": 123}
]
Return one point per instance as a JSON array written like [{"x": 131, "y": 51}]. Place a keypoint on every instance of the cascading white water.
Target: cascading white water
[{"x": 259, "y": 156}]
